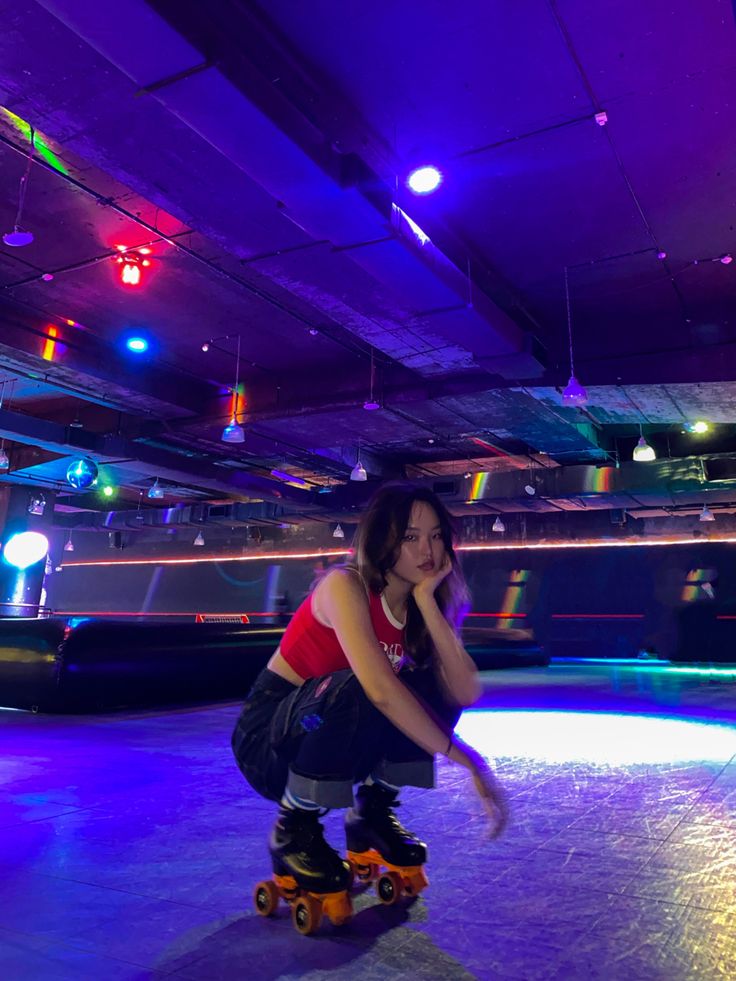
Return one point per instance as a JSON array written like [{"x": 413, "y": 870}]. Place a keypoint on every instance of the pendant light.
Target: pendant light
[
  {"x": 371, "y": 403},
  {"x": 69, "y": 544},
  {"x": 4, "y": 458},
  {"x": 338, "y": 532},
  {"x": 233, "y": 432},
  {"x": 706, "y": 514},
  {"x": 19, "y": 236},
  {"x": 199, "y": 540},
  {"x": 643, "y": 452},
  {"x": 155, "y": 492},
  {"x": 498, "y": 526},
  {"x": 574, "y": 393},
  {"x": 358, "y": 472}
]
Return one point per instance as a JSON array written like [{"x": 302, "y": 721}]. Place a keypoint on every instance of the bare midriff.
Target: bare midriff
[{"x": 278, "y": 665}]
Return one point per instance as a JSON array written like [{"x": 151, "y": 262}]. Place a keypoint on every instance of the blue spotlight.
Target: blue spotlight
[
  {"x": 137, "y": 344},
  {"x": 424, "y": 180}
]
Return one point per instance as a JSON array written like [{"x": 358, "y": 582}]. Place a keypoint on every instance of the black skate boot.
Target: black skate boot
[
  {"x": 372, "y": 826},
  {"x": 298, "y": 849},
  {"x": 308, "y": 874}
]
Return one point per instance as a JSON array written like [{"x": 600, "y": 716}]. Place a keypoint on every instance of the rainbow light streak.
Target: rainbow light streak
[
  {"x": 513, "y": 598},
  {"x": 605, "y": 739},
  {"x": 479, "y": 487},
  {"x": 50, "y": 346},
  {"x": 39, "y": 143},
  {"x": 600, "y": 480},
  {"x": 237, "y": 400},
  {"x": 698, "y": 585}
]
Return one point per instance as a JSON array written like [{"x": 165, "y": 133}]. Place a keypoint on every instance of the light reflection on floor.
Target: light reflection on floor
[
  {"x": 129, "y": 845},
  {"x": 604, "y": 739}
]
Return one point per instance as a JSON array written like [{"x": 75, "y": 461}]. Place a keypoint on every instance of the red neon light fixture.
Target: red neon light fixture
[{"x": 131, "y": 263}]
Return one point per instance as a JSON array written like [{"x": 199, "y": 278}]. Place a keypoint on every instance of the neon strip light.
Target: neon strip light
[
  {"x": 218, "y": 613},
  {"x": 725, "y": 616},
  {"x": 184, "y": 613},
  {"x": 261, "y": 556},
  {"x": 595, "y": 543},
  {"x": 597, "y": 616},
  {"x": 500, "y": 616}
]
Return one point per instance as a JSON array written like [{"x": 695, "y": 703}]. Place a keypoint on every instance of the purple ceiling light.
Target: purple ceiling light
[
  {"x": 574, "y": 393},
  {"x": 424, "y": 180}
]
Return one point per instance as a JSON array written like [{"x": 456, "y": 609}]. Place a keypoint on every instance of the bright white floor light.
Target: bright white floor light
[
  {"x": 603, "y": 739},
  {"x": 25, "y": 549}
]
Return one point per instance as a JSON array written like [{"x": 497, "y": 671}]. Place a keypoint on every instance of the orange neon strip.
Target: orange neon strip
[
  {"x": 500, "y": 616},
  {"x": 260, "y": 556},
  {"x": 213, "y": 558}
]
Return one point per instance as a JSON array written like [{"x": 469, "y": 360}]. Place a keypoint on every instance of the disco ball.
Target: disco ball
[{"x": 82, "y": 473}]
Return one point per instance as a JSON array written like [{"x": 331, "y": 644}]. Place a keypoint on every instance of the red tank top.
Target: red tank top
[{"x": 312, "y": 649}]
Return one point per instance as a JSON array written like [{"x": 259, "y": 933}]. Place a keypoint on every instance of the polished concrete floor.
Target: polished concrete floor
[{"x": 129, "y": 844}]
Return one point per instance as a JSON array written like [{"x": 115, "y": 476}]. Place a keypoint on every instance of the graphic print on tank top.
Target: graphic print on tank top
[{"x": 394, "y": 649}]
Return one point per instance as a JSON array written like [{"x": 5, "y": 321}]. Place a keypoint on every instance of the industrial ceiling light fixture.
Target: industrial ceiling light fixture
[
  {"x": 358, "y": 472},
  {"x": 199, "y": 540},
  {"x": 338, "y": 532},
  {"x": 371, "y": 404},
  {"x": 19, "y": 236},
  {"x": 498, "y": 526},
  {"x": 233, "y": 432},
  {"x": 706, "y": 514},
  {"x": 69, "y": 544},
  {"x": 643, "y": 452},
  {"x": 155, "y": 492},
  {"x": 574, "y": 393}
]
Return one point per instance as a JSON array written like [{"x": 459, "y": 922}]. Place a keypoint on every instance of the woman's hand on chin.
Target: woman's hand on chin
[{"x": 424, "y": 590}]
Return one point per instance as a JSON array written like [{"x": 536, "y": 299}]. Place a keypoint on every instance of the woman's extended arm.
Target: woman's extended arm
[
  {"x": 342, "y": 603},
  {"x": 456, "y": 668}
]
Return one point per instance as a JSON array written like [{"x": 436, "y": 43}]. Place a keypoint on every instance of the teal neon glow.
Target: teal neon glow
[{"x": 603, "y": 739}]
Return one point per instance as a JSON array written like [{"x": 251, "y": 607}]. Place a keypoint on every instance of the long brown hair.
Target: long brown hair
[{"x": 376, "y": 549}]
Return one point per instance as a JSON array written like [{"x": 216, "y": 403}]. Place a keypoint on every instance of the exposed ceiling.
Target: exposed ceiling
[{"x": 260, "y": 151}]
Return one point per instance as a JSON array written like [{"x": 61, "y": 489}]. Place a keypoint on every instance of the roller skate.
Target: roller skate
[
  {"x": 307, "y": 873},
  {"x": 380, "y": 849}
]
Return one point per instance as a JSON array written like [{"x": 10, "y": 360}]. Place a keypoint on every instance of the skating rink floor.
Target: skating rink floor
[{"x": 130, "y": 843}]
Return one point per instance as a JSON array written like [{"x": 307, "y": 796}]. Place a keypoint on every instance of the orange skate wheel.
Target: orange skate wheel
[
  {"x": 365, "y": 873},
  {"x": 306, "y": 914},
  {"x": 389, "y": 888},
  {"x": 266, "y": 898},
  {"x": 416, "y": 882},
  {"x": 338, "y": 908}
]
